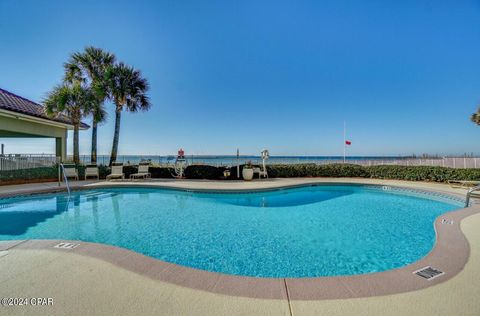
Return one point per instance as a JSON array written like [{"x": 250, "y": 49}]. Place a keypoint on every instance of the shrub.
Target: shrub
[
  {"x": 422, "y": 173},
  {"x": 233, "y": 171},
  {"x": 411, "y": 173},
  {"x": 161, "y": 172},
  {"x": 466, "y": 174},
  {"x": 313, "y": 170},
  {"x": 204, "y": 172},
  {"x": 45, "y": 173},
  {"x": 103, "y": 171},
  {"x": 51, "y": 173},
  {"x": 341, "y": 170},
  {"x": 155, "y": 171},
  {"x": 129, "y": 170}
]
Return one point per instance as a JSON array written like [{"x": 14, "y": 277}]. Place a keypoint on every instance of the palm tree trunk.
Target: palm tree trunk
[
  {"x": 76, "y": 151},
  {"x": 93, "y": 156},
  {"x": 116, "y": 135}
]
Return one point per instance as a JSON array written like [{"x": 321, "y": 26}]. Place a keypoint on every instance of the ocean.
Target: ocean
[{"x": 230, "y": 160}]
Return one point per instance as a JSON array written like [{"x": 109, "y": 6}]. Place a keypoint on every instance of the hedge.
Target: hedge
[
  {"x": 51, "y": 173},
  {"x": 422, "y": 173},
  {"x": 415, "y": 173},
  {"x": 204, "y": 172},
  {"x": 155, "y": 171},
  {"x": 233, "y": 172},
  {"x": 313, "y": 170},
  {"x": 103, "y": 171},
  {"x": 411, "y": 173},
  {"x": 42, "y": 173}
]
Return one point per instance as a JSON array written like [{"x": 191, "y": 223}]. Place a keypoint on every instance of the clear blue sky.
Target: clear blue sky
[{"x": 284, "y": 75}]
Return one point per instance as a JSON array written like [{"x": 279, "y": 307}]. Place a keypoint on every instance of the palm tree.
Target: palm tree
[
  {"x": 73, "y": 101},
  {"x": 90, "y": 67},
  {"x": 476, "y": 117},
  {"x": 127, "y": 90},
  {"x": 99, "y": 115}
]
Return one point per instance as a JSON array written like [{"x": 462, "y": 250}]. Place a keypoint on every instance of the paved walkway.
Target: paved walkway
[
  {"x": 82, "y": 285},
  {"x": 40, "y": 187}
]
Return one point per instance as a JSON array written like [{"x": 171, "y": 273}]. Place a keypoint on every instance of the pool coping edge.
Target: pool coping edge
[{"x": 449, "y": 254}]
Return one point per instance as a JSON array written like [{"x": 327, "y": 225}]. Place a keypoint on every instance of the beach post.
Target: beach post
[
  {"x": 344, "y": 141},
  {"x": 238, "y": 163}
]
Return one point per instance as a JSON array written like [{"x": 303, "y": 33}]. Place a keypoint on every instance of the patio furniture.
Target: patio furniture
[
  {"x": 117, "y": 172},
  {"x": 92, "y": 171},
  {"x": 260, "y": 172},
  {"x": 70, "y": 171},
  {"x": 462, "y": 183},
  {"x": 471, "y": 193},
  {"x": 142, "y": 172}
]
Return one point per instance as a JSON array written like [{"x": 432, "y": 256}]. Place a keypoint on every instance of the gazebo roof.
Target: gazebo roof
[{"x": 15, "y": 103}]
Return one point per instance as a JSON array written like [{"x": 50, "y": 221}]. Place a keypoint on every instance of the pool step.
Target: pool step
[{"x": 97, "y": 195}]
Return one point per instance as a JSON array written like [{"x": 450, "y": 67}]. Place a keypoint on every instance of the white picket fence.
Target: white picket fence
[{"x": 451, "y": 162}]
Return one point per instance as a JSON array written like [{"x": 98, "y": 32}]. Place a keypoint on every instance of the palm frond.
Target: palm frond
[
  {"x": 476, "y": 117},
  {"x": 88, "y": 68},
  {"x": 71, "y": 100},
  {"x": 127, "y": 88}
]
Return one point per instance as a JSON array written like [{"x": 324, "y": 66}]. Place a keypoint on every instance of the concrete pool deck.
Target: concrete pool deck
[
  {"x": 231, "y": 185},
  {"x": 81, "y": 284}
]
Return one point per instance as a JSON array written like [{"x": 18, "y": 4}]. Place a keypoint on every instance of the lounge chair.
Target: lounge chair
[
  {"x": 142, "y": 172},
  {"x": 462, "y": 183},
  {"x": 117, "y": 172},
  {"x": 260, "y": 172},
  {"x": 92, "y": 171},
  {"x": 70, "y": 171}
]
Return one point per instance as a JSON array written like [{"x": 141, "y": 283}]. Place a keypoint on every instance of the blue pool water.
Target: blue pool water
[{"x": 301, "y": 232}]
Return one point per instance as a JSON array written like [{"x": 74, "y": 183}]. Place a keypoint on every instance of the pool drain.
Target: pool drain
[
  {"x": 428, "y": 273},
  {"x": 66, "y": 245}
]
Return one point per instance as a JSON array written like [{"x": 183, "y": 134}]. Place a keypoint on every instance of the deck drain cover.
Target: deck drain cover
[
  {"x": 429, "y": 273},
  {"x": 66, "y": 245}
]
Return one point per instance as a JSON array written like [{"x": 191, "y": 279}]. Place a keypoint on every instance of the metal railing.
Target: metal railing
[
  {"x": 21, "y": 161},
  {"x": 452, "y": 162},
  {"x": 65, "y": 178},
  {"x": 469, "y": 193}
]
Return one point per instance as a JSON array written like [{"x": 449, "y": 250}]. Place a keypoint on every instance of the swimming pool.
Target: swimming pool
[{"x": 311, "y": 231}]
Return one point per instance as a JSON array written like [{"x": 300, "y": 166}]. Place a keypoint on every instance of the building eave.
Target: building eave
[{"x": 40, "y": 120}]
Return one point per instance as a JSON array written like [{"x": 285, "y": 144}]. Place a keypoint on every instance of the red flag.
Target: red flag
[{"x": 347, "y": 142}]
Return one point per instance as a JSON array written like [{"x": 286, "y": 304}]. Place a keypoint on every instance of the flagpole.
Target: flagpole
[
  {"x": 344, "y": 141},
  {"x": 238, "y": 163}
]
